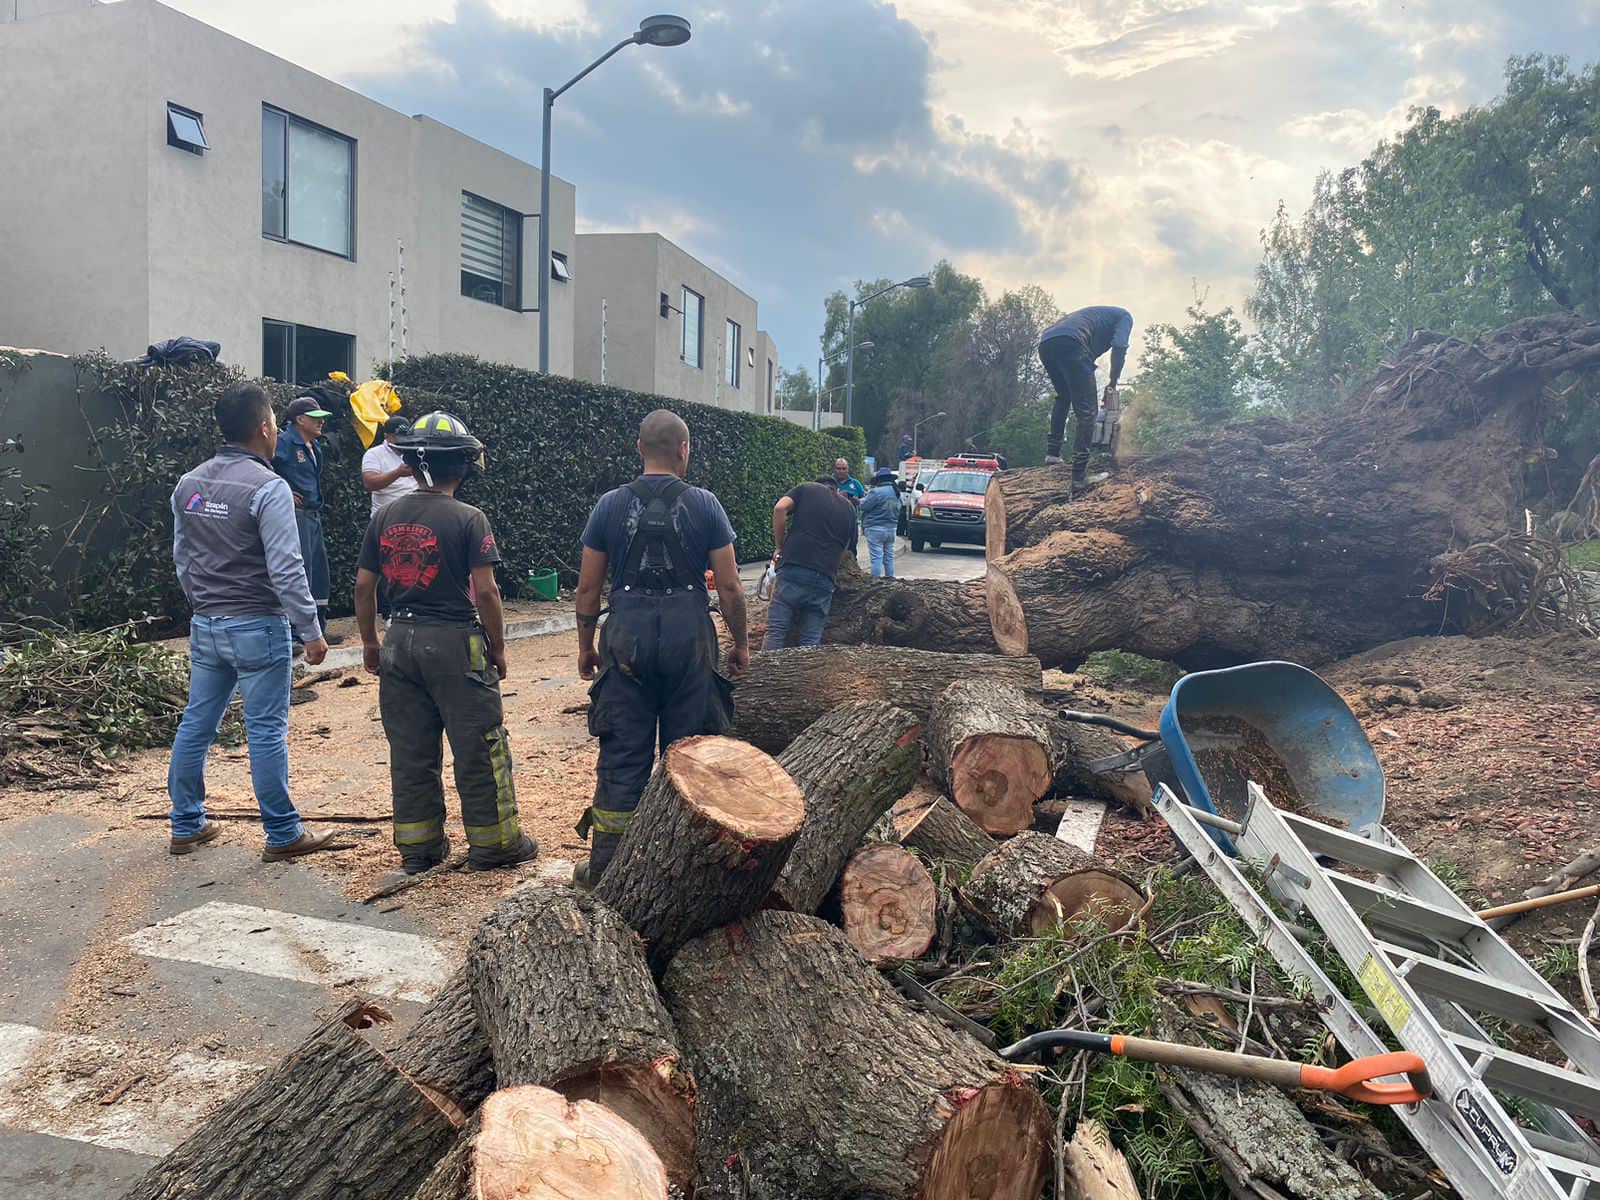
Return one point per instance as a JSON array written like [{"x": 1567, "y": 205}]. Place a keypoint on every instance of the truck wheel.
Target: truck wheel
[
  {"x": 916, "y": 545},
  {"x": 935, "y": 545}
]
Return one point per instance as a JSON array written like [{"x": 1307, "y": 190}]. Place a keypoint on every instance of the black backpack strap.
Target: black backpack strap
[{"x": 656, "y": 528}]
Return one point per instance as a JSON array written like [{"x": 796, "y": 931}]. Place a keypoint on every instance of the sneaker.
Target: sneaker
[
  {"x": 526, "y": 850},
  {"x": 420, "y": 860},
  {"x": 186, "y": 845},
  {"x": 309, "y": 842},
  {"x": 1052, "y": 460}
]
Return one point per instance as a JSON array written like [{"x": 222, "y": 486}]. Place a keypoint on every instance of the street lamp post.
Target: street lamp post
[
  {"x": 663, "y": 30},
  {"x": 916, "y": 281},
  {"x": 919, "y": 425},
  {"x": 816, "y": 409}
]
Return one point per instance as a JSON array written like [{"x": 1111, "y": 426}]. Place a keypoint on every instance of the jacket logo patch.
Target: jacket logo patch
[{"x": 195, "y": 501}]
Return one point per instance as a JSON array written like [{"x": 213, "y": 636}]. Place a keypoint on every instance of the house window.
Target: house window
[
  {"x": 304, "y": 354},
  {"x": 559, "y": 271},
  {"x": 491, "y": 252},
  {"x": 693, "y": 308},
  {"x": 186, "y": 129},
  {"x": 307, "y": 184},
  {"x": 731, "y": 355}
]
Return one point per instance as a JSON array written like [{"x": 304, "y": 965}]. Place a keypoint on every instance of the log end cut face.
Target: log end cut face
[
  {"x": 1099, "y": 896},
  {"x": 995, "y": 778},
  {"x": 656, "y": 1098},
  {"x": 995, "y": 1147},
  {"x": 1006, "y": 618},
  {"x": 889, "y": 905},
  {"x": 741, "y": 789},
  {"x": 535, "y": 1144}
]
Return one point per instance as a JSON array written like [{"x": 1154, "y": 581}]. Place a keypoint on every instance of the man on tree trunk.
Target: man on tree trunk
[
  {"x": 655, "y": 670},
  {"x": 1068, "y": 350}
]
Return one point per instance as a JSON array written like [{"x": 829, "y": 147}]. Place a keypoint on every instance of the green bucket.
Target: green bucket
[{"x": 542, "y": 583}]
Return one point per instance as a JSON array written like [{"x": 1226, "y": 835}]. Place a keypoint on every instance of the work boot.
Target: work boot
[
  {"x": 309, "y": 842},
  {"x": 1052, "y": 460},
  {"x": 424, "y": 858},
  {"x": 584, "y": 876},
  {"x": 1079, "y": 484},
  {"x": 525, "y": 850},
  {"x": 186, "y": 845}
]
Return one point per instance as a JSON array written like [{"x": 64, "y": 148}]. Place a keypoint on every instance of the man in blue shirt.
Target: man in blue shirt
[
  {"x": 656, "y": 661},
  {"x": 298, "y": 459},
  {"x": 1068, "y": 350},
  {"x": 849, "y": 486}
]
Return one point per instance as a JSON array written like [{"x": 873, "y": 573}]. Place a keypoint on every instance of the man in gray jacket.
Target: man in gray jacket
[{"x": 237, "y": 553}]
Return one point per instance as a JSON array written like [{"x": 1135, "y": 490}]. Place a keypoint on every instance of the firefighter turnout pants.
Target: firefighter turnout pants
[
  {"x": 658, "y": 683},
  {"x": 434, "y": 681}
]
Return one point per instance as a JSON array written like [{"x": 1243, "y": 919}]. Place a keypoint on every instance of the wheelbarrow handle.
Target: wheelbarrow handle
[{"x": 1088, "y": 718}]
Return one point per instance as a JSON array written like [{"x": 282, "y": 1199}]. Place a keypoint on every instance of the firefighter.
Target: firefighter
[
  {"x": 440, "y": 664},
  {"x": 655, "y": 669}
]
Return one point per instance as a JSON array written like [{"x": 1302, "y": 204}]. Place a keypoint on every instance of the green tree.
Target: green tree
[
  {"x": 1192, "y": 379},
  {"x": 796, "y": 391}
]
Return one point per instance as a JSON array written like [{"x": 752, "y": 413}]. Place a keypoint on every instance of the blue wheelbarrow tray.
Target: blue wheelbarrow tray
[{"x": 1281, "y": 726}]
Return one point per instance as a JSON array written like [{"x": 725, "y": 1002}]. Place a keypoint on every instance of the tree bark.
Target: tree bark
[
  {"x": 567, "y": 1002},
  {"x": 929, "y": 824},
  {"x": 784, "y": 691},
  {"x": 818, "y": 1081},
  {"x": 713, "y": 830},
  {"x": 1073, "y": 746},
  {"x": 990, "y": 747},
  {"x": 1012, "y": 502},
  {"x": 1094, "y": 1168},
  {"x": 535, "y": 1144},
  {"x": 446, "y": 1053},
  {"x": 888, "y": 905},
  {"x": 905, "y": 612},
  {"x": 1034, "y": 883},
  {"x": 335, "y": 1119},
  {"x": 850, "y": 766}
]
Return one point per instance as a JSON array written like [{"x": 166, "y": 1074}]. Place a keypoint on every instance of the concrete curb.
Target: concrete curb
[{"x": 341, "y": 657}]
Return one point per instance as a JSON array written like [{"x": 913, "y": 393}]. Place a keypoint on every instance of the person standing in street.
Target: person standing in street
[
  {"x": 1068, "y": 350},
  {"x": 384, "y": 472},
  {"x": 237, "y": 555},
  {"x": 298, "y": 459},
  {"x": 441, "y": 661},
  {"x": 880, "y": 516},
  {"x": 849, "y": 486},
  {"x": 812, "y": 527},
  {"x": 655, "y": 668}
]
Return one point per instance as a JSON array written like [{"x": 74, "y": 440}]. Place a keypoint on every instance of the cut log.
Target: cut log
[
  {"x": 1094, "y": 1168},
  {"x": 818, "y": 1081},
  {"x": 1033, "y": 883},
  {"x": 530, "y": 1143},
  {"x": 929, "y": 824},
  {"x": 850, "y": 766},
  {"x": 446, "y": 1053},
  {"x": 888, "y": 905},
  {"x": 565, "y": 997},
  {"x": 1073, "y": 746},
  {"x": 784, "y": 691},
  {"x": 335, "y": 1118},
  {"x": 713, "y": 830},
  {"x": 905, "y": 612},
  {"x": 988, "y": 744}
]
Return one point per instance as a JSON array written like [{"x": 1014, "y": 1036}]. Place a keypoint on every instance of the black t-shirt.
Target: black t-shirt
[
  {"x": 425, "y": 546},
  {"x": 821, "y": 528}
]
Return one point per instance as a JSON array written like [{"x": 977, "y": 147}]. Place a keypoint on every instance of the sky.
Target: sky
[{"x": 1111, "y": 152}]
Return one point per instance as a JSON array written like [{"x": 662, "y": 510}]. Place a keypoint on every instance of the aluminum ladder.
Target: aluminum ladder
[{"x": 1430, "y": 968}]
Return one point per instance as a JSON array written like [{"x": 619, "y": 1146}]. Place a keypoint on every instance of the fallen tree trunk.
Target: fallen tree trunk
[
  {"x": 990, "y": 747},
  {"x": 565, "y": 998},
  {"x": 905, "y": 612},
  {"x": 335, "y": 1118},
  {"x": 784, "y": 691},
  {"x": 887, "y": 905},
  {"x": 929, "y": 824},
  {"x": 446, "y": 1053},
  {"x": 850, "y": 766},
  {"x": 1073, "y": 746},
  {"x": 818, "y": 1081},
  {"x": 535, "y": 1144},
  {"x": 713, "y": 830},
  {"x": 1033, "y": 883}
]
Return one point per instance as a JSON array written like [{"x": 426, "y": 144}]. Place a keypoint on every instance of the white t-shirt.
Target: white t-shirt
[{"x": 380, "y": 459}]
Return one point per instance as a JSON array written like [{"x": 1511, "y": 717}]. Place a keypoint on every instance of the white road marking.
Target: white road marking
[
  {"x": 1080, "y": 824},
  {"x": 52, "y": 1083},
  {"x": 284, "y": 945}
]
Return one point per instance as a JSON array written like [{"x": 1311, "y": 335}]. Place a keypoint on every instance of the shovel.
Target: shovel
[{"x": 1356, "y": 1080}]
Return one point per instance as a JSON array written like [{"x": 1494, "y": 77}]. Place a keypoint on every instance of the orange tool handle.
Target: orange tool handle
[{"x": 1355, "y": 1079}]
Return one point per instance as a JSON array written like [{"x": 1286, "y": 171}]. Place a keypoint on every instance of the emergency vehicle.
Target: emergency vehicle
[{"x": 947, "y": 505}]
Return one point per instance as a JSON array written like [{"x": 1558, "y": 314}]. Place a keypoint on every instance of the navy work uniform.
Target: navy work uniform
[{"x": 658, "y": 648}]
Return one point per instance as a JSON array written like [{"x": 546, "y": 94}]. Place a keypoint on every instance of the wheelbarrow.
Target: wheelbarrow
[{"x": 1274, "y": 723}]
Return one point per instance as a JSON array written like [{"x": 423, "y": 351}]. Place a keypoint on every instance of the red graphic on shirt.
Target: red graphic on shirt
[
  {"x": 410, "y": 556},
  {"x": 486, "y": 548}
]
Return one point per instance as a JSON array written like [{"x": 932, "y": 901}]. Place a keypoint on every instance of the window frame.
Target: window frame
[
  {"x": 560, "y": 268},
  {"x": 517, "y": 220},
  {"x": 733, "y": 354},
  {"x": 290, "y": 120},
  {"x": 700, "y": 328},
  {"x": 292, "y": 333},
  {"x": 177, "y": 140}
]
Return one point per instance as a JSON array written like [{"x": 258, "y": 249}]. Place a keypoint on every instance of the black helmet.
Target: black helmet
[{"x": 439, "y": 431}]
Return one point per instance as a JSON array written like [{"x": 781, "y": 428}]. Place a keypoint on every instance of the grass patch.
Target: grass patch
[
  {"x": 1585, "y": 556},
  {"x": 1124, "y": 666}
]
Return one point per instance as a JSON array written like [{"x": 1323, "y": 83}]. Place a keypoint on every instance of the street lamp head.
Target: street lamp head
[
  {"x": 863, "y": 345},
  {"x": 939, "y": 414},
  {"x": 918, "y": 281},
  {"x": 662, "y": 30}
]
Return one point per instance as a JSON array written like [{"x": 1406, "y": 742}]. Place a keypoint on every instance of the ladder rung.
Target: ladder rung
[
  {"x": 1568, "y": 1168},
  {"x": 1468, "y": 988},
  {"x": 1347, "y": 847},
  {"x": 1512, "y": 1072},
  {"x": 1379, "y": 906}
]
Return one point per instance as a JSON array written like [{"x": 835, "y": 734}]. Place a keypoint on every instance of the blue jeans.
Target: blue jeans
[
  {"x": 252, "y": 654},
  {"x": 801, "y": 597},
  {"x": 880, "y": 548}
]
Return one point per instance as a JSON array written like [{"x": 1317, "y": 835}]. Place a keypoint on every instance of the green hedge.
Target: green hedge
[{"x": 554, "y": 445}]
